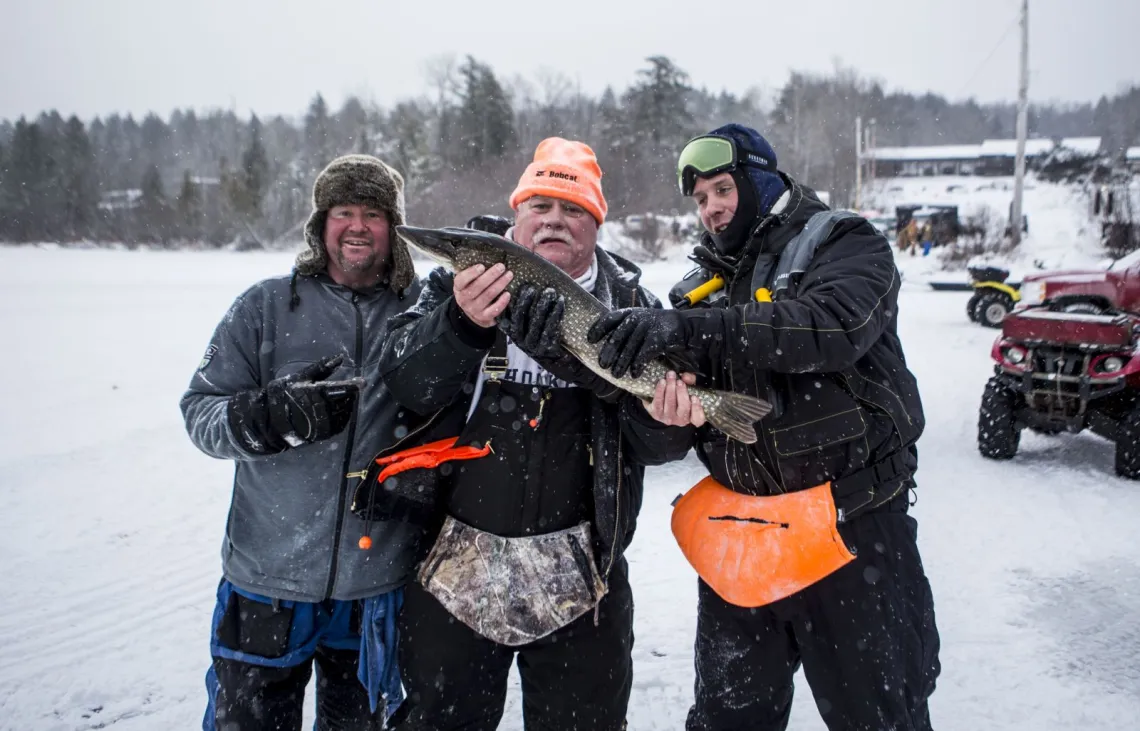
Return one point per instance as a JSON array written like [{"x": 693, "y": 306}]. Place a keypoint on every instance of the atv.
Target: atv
[
  {"x": 1059, "y": 370},
  {"x": 993, "y": 299}
]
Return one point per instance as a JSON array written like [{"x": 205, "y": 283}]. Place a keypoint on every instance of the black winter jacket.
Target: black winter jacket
[
  {"x": 828, "y": 356},
  {"x": 430, "y": 362}
]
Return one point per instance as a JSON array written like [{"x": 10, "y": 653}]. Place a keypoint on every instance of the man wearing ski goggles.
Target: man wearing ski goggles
[
  {"x": 711, "y": 154},
  {"x": 794, "y": 303}
]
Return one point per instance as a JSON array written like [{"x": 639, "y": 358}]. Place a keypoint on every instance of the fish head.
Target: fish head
[
  {"x": 460, "y": 248},
  {"x": 439, "y": 244}
]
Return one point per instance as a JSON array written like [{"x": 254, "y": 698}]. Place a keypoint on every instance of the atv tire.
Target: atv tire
[
  {"x": 972, "y": 305},
  {"x": 1128, "y": 445},
  {"x": 992, "y": 307},
  {"x": 998, "y": 435},
  {"x": 1084, "y": 308}
]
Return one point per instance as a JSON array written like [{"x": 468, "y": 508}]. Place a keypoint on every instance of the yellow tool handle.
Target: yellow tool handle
[{"x": 713, "y": 285}]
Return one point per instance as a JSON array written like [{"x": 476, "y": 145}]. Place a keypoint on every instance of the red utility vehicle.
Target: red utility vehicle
[{"x": 1068, "y": 360}]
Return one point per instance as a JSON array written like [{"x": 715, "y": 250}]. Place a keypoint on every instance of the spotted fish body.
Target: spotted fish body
[{"x": 459, "y": 248}]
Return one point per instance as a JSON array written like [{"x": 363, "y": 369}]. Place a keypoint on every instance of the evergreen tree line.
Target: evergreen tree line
[{"x": 216, "y": 178}]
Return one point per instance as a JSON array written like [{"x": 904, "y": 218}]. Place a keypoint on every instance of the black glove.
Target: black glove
[
  {"x": 293, "y": 410},
  {"x": 534, "y": 322},
  {"x": 637, "y": 335}
]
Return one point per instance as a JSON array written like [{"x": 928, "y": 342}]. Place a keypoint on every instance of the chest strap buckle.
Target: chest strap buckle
[{"x": 495, "y": 367}]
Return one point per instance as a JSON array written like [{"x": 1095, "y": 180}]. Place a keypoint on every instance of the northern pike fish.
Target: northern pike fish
[{"x": 734, "y": 414}]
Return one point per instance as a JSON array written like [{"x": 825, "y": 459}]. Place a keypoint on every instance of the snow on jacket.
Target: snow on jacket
[{"x": 290, "y": 533}]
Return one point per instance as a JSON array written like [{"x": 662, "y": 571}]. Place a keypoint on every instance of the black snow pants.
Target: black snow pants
[
  {"x": 865, "y": 635},
  {"x": 577, "y": 679},
  {"x": 263, "y": 656},
  {"x": 254, "y": 697}
]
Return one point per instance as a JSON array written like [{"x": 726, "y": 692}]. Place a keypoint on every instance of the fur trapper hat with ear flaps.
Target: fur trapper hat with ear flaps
[{"x": 358, "y": 180}]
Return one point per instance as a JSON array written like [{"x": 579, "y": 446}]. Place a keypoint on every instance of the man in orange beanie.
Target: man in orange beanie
[{"x": 529, "y": 561}]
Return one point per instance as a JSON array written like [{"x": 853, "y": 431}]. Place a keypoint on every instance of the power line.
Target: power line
[{"x": 982, "y": 65}]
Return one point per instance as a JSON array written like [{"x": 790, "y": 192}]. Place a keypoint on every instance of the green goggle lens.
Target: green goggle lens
[{"x": 704, "y": 156}]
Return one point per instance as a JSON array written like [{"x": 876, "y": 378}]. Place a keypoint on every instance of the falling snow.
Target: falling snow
[{"x": 111, "y": 522}]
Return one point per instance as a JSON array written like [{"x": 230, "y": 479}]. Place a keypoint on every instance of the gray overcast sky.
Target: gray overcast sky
[{"x": 90, "y": 57}]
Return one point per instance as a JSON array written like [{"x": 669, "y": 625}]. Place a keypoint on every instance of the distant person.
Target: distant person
[
  {"x": 927, "y": 236},
  {"x": 650, "y": 235},
  {"x": 289, "y": 389},
  {"x": 908, "y": 237}
]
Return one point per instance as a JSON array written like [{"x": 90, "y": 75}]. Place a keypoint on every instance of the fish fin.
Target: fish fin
[{"x": 736, "y": 415}]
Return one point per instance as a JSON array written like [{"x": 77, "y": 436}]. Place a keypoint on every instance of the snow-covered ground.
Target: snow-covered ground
[{"x": 111, "y": 522}]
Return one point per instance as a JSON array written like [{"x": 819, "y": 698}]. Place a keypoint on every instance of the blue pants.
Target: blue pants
[{"x": 263, "y": 653}]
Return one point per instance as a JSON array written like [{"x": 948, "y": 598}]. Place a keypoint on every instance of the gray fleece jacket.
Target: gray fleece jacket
[{"x": 290, "y": 533}]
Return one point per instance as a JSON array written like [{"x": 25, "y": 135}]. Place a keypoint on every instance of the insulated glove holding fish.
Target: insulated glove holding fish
[
  {"x": 293, "y": 410},
  {"x": 636, "y": 336},
  {"x": 533, "y": 322},
  {"x": 460, "y": 248}
]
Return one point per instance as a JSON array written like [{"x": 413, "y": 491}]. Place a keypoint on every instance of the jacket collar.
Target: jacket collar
[
  {"x": 801, "y": 204},
  {"x": 617, "y": 280},
  {"x": 378, "y": 288}
]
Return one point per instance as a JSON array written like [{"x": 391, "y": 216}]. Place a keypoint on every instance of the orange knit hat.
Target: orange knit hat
[{"x": 567, "y": 170}]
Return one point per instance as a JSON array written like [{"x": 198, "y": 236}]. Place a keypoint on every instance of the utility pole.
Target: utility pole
[
  {"x": 1022, "y": 129},
  {"x": 872, "y": 144},
  {"x": 858, "y": 163}
]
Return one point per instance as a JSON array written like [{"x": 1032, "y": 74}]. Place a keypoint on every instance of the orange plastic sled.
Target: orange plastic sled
[{"x": 753, "y": 551}]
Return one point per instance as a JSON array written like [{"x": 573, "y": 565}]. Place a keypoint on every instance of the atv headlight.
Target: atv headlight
[
  {"x": 1015, "y": 354},
  {"x": 1112, "y": 364},
  {"x": 1032, "y": 293}
]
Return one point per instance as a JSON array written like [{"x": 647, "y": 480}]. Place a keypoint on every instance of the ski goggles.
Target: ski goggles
[{"x": 711, "y": 155}]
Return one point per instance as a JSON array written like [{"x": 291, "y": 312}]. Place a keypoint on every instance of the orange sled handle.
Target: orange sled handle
[{"x": 753, "y": 551}]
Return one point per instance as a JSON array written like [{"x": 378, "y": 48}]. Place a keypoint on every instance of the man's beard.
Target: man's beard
[{"x": 356, "y": 264}]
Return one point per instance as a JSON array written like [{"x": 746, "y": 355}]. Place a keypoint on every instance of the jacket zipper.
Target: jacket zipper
[
  {"x": 617, "y": 506},
  {"x": 617, "y": 519},
  {"x": 343, "y": 496},
  {"x": 614, "y": 545},
  {"x": 617, "y": 491},
  {"x": 363, "y": 474}
]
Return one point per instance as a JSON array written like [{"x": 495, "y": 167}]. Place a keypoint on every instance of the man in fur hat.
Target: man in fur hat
[{"x": 289, "y": 390}]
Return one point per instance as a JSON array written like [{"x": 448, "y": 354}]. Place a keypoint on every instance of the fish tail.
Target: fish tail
[{"x": 735, "y": 414}]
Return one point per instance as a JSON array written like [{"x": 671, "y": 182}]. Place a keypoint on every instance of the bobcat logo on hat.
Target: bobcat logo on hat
[{"x": 569, "y": 171}]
